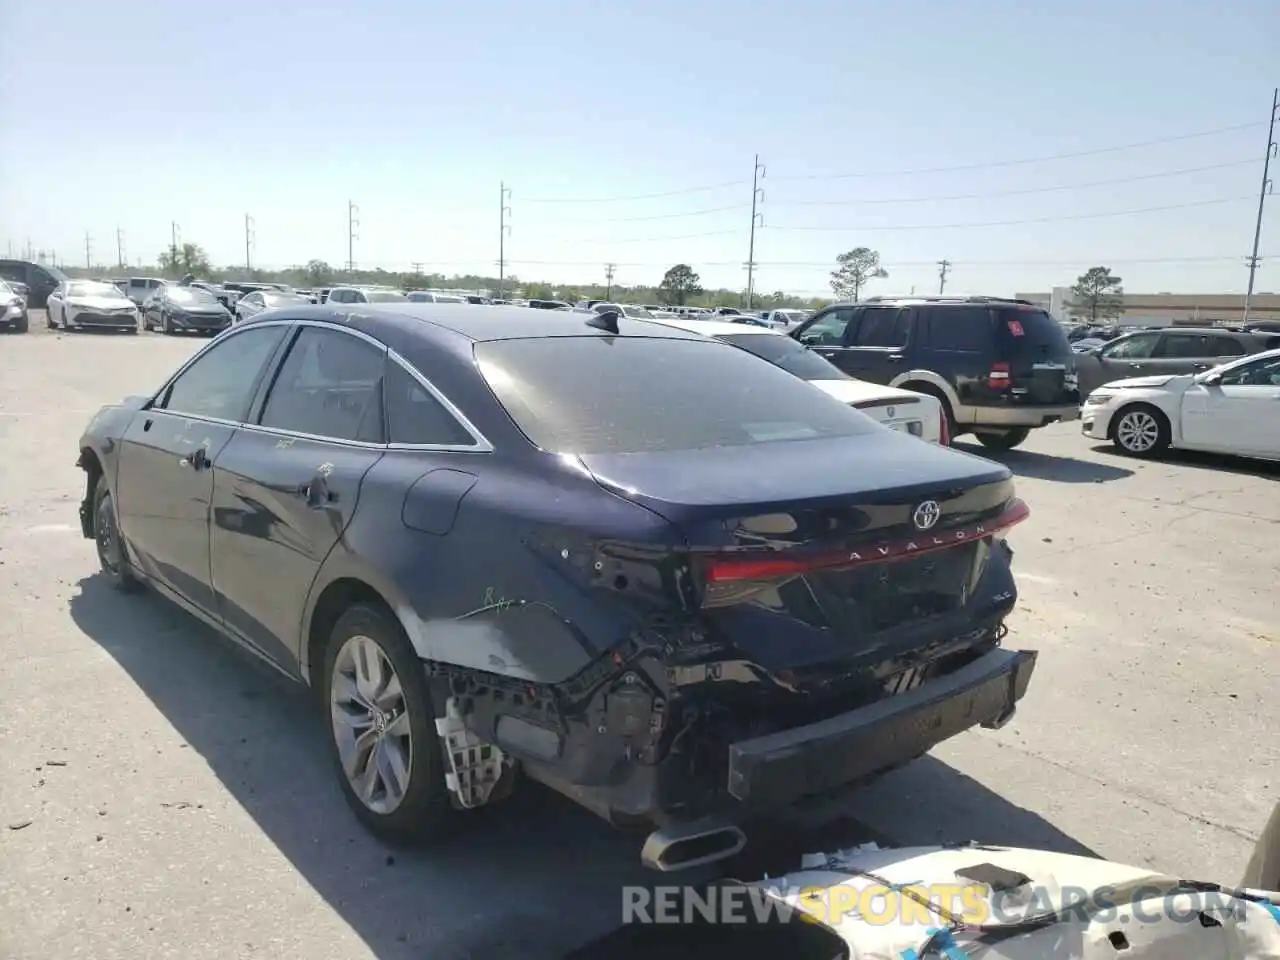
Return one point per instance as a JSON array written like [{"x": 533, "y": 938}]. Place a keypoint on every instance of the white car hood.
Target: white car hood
[
  {"x": 100, "y": 303},
  {"x": 860, "y": 391},
  {"x": 1099, "y": 904},
  {"x": 1134, "y": 383}
]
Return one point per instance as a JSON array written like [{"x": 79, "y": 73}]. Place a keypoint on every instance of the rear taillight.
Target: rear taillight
[
  {"x": 944, "y": 433},
  {"x": 998, "y": 376},
  {"x": 730, "y": 578}
]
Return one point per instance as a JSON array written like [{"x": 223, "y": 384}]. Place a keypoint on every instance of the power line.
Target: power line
[
  {"x": 1030, "y": 220},
  {"x": 640, "y": 196},
  {"x": 658, "y": 216},
  {"x": 1016, "y": 193},
  {"x": 993, "y": 164}
]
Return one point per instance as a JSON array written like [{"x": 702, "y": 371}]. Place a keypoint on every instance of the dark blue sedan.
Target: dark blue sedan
[{"x": 651, "y": 570}]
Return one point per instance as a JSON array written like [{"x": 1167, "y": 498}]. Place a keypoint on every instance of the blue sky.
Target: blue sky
[{"x": 139, "y": 113}]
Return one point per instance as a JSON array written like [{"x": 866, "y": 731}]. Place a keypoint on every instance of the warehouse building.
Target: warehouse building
[{"x": 1168, "y": 309}]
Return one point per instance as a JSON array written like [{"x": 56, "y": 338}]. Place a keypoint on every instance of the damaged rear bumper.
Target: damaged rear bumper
[{"x": 777, "y": 769}]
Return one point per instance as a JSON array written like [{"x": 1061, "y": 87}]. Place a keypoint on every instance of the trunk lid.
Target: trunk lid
[{"x": 818, "y": 550}]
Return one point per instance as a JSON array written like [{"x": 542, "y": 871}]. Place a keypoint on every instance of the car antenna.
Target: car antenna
[{"x": 607, "y": 321}]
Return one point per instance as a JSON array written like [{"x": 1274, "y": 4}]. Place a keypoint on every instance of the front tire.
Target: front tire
[
  {"x": 112, "y": 555},
  {"x": 1002, "y": 439},
  {"x": 1140, "y": 431},
  {"x": 382, "y": 729}
]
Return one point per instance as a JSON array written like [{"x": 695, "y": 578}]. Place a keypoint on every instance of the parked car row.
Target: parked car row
[{"x": 641, "y": 562}]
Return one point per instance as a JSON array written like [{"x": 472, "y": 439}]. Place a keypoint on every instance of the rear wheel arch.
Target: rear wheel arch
[
  {"x": 940, "y": 390},
  {"x": 334, "y": 600}
]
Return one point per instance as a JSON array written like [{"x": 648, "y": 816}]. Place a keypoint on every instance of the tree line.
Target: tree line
[{"x": 1096, "y": 297}]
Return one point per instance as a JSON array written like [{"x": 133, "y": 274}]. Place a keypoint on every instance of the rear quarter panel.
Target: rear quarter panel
[{"x": 530, "y": 571}]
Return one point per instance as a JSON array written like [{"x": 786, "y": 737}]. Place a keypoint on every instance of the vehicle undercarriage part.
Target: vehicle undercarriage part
[
  {"x": 474, "y": 769},
  {"x": 682, "y": 846}
]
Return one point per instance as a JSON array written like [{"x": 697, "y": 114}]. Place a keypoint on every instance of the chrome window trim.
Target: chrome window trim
[{"x": 482, "y": 444}]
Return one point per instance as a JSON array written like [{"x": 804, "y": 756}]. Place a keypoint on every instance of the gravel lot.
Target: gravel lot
[{"x": 163, "y": 796}]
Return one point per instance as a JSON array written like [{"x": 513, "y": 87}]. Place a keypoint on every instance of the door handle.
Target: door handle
[
  {"x": 895, "y": 358},
  {"x": 317, "y": 493},
  {"x": 197, "y": 459}
]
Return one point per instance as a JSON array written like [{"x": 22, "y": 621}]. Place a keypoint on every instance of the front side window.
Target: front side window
[
  {"x": 221, "y": 381},
  {"x": 328, "y": 386},
  {"x": 1258, "y": 373},
  {"x": 828, "y": 329},
  {"x": 1138, "y": 347}
]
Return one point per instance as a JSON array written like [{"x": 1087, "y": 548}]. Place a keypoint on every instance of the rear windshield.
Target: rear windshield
[
  {"x": 637, "y": 394},
  {"x": 791, "y": 356},
  {"x": 1024, "y": 333}
]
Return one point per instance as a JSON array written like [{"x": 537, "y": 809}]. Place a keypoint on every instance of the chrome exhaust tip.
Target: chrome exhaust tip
[
  {"x": 995, "y": 723},
  {"x": 682, "y": 846}
]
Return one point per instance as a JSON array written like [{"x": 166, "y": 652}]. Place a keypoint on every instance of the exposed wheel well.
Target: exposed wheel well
[
  {"x": 335, "y": 599},
  {"x": 1160, "y": 416},
  {"x": 92, "y": 467},
  {"x": 933, "y": 390}
]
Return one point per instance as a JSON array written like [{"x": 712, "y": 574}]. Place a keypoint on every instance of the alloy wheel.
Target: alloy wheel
[
  {"x": 1137, "y": 431},
  {"x": 107, "y": 537},
  {"x": 370, "y": 721}
]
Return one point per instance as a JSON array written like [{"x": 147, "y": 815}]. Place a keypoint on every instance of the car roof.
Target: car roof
[
  {"x": 718, "y": 328},
  {"x": 396, "y": 323}
]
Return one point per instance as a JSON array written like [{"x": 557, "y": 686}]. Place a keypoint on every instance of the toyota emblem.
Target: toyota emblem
[{"x": 926, "y": 515}]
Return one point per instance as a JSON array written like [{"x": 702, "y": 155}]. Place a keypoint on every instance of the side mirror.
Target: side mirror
[
  {"x": 810, "y": 339},
  {"x": 1210, "y": 379}
]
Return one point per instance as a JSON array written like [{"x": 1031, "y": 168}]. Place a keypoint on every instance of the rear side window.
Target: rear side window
[
  {"x": 884, "y": 327},
  {"x": 414, "y": 415},
  {"x": 637, "y": 394},
  {"x": 328, "y": 386},
  {"x": 959, "y": 329},
  {"x": 1181, "y": 345},
  {"x": 1225, "y": 347},
  {"x": 1029, "y": 333}
]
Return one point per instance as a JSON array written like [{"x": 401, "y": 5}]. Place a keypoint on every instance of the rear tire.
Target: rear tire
[
  {"x": 112, "y": 555},
  {"x": 1002, "y": 439},
  {"x": 382, "y": 733}
]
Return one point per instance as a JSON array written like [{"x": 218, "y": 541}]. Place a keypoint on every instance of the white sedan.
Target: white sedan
[
  {"x": 918, "y": 414},
  {"x": 1231, "y": 409}
]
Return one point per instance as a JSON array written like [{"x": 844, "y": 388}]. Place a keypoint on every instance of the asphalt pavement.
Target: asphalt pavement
[{"x": 162, "y": 795}]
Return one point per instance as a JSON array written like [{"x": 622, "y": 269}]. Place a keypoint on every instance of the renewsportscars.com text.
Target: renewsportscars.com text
[{"x": 918, "y": 904}]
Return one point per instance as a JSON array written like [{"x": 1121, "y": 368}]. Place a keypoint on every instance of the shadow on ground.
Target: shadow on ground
[
  {"x": 1043, "y": 466},
  {"x": 532, "y": 878},
  {"x": 1208, "y": 461}
]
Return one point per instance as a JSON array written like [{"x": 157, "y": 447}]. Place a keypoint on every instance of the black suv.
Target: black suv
[{"x": 1000, "y": 367}]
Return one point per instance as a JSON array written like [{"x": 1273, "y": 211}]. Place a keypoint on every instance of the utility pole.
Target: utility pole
[
  {"x": 120, "y": 261},
  {"x": 757, "y": 220},
  {"x": 608, "y": 280},
  {"x": 504, "y": 231},
  {"x": 944, "y": 266},
  {"x": 352, "y": 222},
  {"x": 249, "y": 224},
  {"x": 88, "y": 252},
  {"x": 174, "y": 234},
  {"x": 417, "y": 267},
  {"x": 1262, "y": 196}
]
